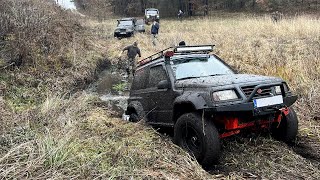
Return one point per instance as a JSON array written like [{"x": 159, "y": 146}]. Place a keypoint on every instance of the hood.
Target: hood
[{"x": 223, "y": 80}]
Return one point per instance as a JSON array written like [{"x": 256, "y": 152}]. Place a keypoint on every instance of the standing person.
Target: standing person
[
  {"x": 180, "y": 13},
  {"x": 155, "y": 30},
  {"x": 132, "y": 52}
]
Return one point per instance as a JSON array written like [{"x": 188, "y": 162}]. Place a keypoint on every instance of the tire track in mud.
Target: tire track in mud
[
  {"x": 259, "y": 157},
  {"x": 308, "y": 148}
]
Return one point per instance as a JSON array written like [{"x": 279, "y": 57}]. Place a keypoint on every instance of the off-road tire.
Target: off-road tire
[
  {"x": 202, "y": 141},
  {"x": 288, "y": 127},
  {"x": 136, "y": 113}
]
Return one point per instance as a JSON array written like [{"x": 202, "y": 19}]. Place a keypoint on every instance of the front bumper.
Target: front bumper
[{"x": 249, "y": 106}]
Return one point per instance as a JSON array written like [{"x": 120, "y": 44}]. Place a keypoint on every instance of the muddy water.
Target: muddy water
[{"x": 111, "y": 87}]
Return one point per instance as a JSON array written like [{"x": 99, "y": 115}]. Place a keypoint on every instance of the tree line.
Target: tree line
[{"x": 170, "y": 8}]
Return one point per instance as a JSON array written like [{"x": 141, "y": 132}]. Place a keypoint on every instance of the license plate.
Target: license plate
[
  {"x": 123, "y": 33},
  {"x": 269, "y": 101}
]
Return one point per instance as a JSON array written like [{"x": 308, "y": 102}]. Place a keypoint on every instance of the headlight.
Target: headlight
[
  {"x": 278, "y": 90},
  {"x": 148, "y": 16},
  {"x": 224, "y": 95}
]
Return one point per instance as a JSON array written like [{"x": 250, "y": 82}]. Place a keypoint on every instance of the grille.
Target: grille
[
  {"x": 122, "y": 30},
  {"x": 265, "y": 91}
]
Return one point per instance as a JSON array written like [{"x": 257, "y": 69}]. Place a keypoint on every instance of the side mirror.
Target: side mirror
[{"x": 164, "y": 84}]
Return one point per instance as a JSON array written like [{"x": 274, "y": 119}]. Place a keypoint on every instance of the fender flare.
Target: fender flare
[{"x": 196, "y": 99}]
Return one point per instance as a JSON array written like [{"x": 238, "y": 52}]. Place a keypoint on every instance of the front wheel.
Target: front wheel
[
  {"x": 199, "y": 137},
  {"x": 287, "y": 130}
]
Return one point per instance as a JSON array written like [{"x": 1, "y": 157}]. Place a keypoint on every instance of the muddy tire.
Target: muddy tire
[
  {"x": 135, "y": 111},
  {"x": 134, "y": 117},
  {"x": 288, "y": 128},
  {"x": 200, "y": 140}
]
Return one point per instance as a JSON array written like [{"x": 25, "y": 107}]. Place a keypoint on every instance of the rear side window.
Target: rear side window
[
  {"x": 157, "y": 74},
  {"x": 140, "y": 79}
]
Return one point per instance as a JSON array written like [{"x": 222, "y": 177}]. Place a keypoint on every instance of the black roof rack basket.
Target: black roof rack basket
[
  {"x": 178, "y": 50},
  {"x": 153, "y": 57}
]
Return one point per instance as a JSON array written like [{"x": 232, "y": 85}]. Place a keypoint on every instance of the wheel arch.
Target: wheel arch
[
  {"x": 181, "y": 108},
  {"x": 135, "y": 107},
  {"x": 188, "y": 102}
]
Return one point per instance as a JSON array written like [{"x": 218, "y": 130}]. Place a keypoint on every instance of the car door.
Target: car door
[
  {"x": 160, "y": 99},
  {"x": 139, "y": 92}
]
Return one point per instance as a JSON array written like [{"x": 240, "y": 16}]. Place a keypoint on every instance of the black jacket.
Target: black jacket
[
  {"x": 132, "y": 51},
  {"x": 155, "y": 28}
]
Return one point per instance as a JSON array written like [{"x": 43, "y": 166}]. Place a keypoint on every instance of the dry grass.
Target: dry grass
[
  {"x": 84, "y": 142},
  {"x": 48, "y": 49},
  {"x": 63, "y": 136}
]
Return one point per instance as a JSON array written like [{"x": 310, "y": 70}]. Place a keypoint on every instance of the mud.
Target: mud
[
  {"x": 112, "y": 87},
  {"x": 308, "y": 148}
]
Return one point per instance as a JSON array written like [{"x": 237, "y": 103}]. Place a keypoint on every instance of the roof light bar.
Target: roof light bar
[{"x": 205, "y": 48}]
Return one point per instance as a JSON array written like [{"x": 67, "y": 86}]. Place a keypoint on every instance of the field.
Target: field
[{"x": 72, "y": 134}]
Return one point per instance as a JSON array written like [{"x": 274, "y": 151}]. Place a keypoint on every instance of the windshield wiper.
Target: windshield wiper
[
  {"x": 191, "y": 77},
  {"x": 215, "y": 74}
]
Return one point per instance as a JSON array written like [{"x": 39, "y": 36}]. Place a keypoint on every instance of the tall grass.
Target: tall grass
[
  {"x": 93, "y": 145},
  {"x": 43, "y": 49}
]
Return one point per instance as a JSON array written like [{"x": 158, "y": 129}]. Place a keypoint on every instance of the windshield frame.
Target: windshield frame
[
  {"x": 183, "y": 57},
  {"x": 152, "y": 12}
]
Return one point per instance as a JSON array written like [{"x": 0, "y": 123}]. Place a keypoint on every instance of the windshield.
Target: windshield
[
  {"x": 152, "y": 12},
  {"x": 200, "y": 66},
  {"x": 125, "y": 23}
]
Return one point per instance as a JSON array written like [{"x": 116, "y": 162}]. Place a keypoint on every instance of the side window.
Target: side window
[
  {"x": 140, "y": 79},
  {"x": 157, "y": 74}
]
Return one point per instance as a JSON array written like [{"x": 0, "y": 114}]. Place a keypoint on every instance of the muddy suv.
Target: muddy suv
[
  {"x": 204, "y": 100},
  {"x": 151, "y": 14},
  {"x": 125, "y": 27}
]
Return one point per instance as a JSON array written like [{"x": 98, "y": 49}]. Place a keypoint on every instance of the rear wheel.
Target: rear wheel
[
  {"x": 136, "y": 113},
  {"x": 287, "y": 130},
  {"x": 199, "y": 137}
]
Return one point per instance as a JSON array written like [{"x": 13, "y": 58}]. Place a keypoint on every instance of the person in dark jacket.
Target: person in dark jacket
[
  {"x": 154, "y": 31},
  {"x": 132, "y": 52},
  {"x": 182, "y": 43}
]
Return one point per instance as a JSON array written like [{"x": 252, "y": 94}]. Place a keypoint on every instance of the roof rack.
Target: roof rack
[
  {"x": 178, "y": 50},
  {"x": 153, "y": 57}
]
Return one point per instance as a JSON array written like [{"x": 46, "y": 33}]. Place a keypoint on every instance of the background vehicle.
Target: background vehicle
[
  {"x": 140, "y": 25},
  {"x": 126, "y": 27},
  {"x": 204, "y": 100},
  {"x": 151, "y": 14}
]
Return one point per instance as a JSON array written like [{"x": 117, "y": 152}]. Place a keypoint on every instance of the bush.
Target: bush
[{"x": 33, "y": 32}]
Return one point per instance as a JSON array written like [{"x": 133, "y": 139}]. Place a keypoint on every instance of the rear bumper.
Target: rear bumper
[{"x": 118, "y": 34}]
